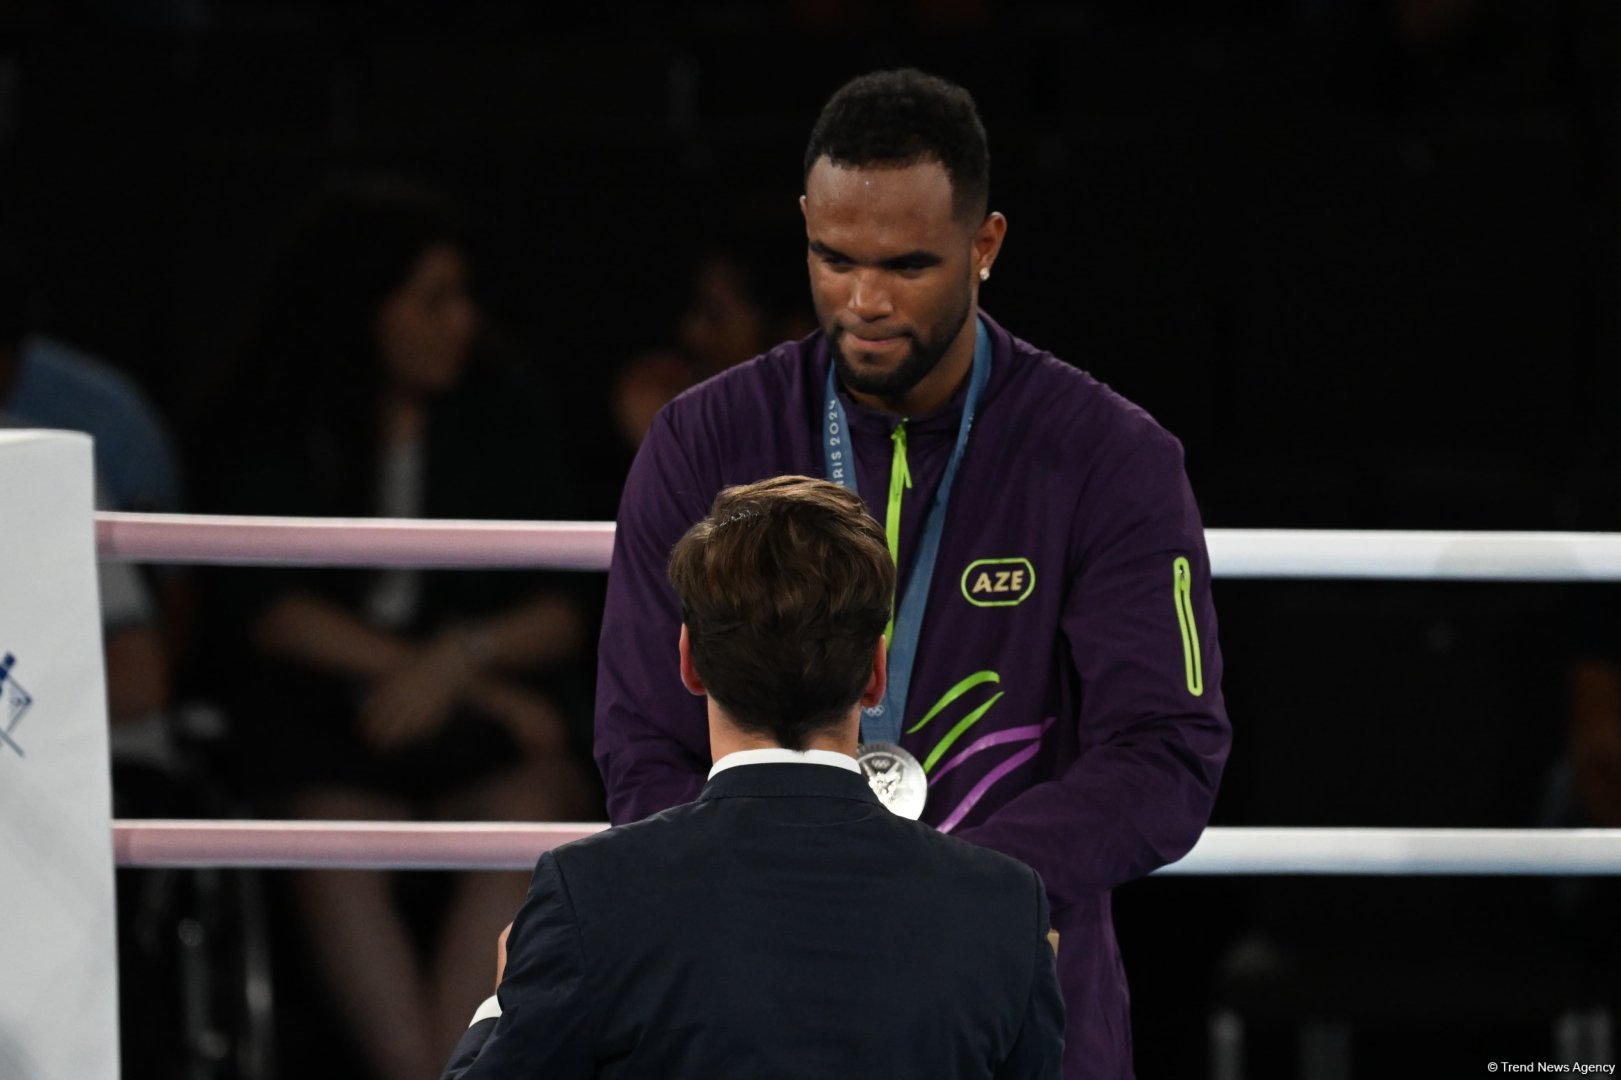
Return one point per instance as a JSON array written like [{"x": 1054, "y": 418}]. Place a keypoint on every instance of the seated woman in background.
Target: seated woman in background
[{"x": 367, "y": 389}]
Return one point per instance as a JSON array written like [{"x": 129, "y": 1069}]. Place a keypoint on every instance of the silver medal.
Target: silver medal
[{"x": 895, "y": 777}]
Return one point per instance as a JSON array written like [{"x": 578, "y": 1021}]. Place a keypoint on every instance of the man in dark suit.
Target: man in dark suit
[{"x": 786, "y": 924}]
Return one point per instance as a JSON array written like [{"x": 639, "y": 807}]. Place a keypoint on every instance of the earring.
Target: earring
[{"x": 984, "y": 273}]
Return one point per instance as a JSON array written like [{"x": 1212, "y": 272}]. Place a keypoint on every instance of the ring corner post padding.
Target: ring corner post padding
[{"x": 58, "y": 956}]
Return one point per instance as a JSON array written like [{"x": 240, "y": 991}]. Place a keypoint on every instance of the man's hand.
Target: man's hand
[{"x": 501, "y": 956}]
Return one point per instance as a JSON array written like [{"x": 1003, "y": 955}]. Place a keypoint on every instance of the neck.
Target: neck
[
  {"x": 726, "y": 738},
  {"x": 935, "y": 388}
]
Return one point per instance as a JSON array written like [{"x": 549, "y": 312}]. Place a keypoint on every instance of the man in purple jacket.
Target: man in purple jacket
[{"x": 1053, "y": 657}]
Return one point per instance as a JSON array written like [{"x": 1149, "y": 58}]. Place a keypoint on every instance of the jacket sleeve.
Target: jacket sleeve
[
  {"x": 1038, "y": 1051},
  {"x": 1141, "y": 634},
  {"x": 652, "y": 736},
  {"x": 545, "y": 1026}
]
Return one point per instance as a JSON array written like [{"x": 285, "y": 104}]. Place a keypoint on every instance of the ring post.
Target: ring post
[{"x": 58, "y": 996}]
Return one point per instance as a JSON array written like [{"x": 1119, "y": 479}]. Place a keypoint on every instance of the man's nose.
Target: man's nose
[{"x": 869, "y": 299}]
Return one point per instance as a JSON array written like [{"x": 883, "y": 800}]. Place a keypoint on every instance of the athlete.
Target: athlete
[{"x": 1053, "y": 659}]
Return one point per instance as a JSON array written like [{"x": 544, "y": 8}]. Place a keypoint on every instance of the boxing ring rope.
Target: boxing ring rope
[
  {"x": 355, "y": 845},
  {"x": 588, "y": 545},
  {"x": 204, "y": 539},
  {"x": 1234, "y": 553}
]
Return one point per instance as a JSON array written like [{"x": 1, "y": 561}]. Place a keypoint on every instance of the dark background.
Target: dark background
[{"x": 1361, "y": 257}]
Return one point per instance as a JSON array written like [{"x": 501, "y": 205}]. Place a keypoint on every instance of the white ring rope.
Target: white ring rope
[
  {"x": 1414, "y": 556},
  {"x": 588, "y": 545},
  {"x": 370, "y": 845}
]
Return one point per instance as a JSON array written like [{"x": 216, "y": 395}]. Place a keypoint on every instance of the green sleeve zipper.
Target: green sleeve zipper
[{"x": 1183, "y": 578}]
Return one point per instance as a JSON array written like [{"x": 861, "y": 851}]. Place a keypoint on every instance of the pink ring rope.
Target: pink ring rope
[
  {"x": 352, "y": 845},
  {"x": 374, "y": 542},
  {"x": 588, "y": 545},
  {"x": 395, "y": 845}
]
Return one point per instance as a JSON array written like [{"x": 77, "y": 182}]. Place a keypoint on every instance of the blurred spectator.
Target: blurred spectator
[
  {"x": 368, "y": 388},
  {"x": 59, "y": 386},
  {"x": 1584, "y": 792},
  {"x": 747, "y": 294},
  {"x": 137, "y": 469},
  {"x": 1595, "y": 742},
  {"x": 46, "y": 383}
]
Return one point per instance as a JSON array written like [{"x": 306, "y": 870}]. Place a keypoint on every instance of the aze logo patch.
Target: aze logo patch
[{"x": 998, "y": 582}]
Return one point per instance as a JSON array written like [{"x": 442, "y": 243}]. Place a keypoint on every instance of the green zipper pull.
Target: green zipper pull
[
  {"x": 900, "y": 479},
  {"x": 1182, "y": 576}
]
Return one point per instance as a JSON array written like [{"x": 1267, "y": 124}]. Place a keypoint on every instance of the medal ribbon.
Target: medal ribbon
[{"x": 882, "y": 723}]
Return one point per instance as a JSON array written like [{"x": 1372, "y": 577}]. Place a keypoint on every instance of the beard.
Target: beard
[{"x": 922, "y": 356}]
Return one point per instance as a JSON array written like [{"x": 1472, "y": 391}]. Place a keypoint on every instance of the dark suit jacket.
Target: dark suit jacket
[{"x": 784, "y": 925}]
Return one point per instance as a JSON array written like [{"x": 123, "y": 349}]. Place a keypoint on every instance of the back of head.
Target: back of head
[
  {"x": 895, "y": 119},
  {"x": 785, "y": 589}
]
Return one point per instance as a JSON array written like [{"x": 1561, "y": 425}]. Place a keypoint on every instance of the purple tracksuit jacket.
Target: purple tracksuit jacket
[{"x": 1066, "y": 699}]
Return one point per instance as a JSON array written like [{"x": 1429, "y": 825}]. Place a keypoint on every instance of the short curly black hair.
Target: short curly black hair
[{"x": 901, "y": 118}]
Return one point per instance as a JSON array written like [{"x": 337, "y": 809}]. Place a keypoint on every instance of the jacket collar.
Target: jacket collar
[
  {"x": 788, "y": 780},
  {"x": 776, "y": 755}
]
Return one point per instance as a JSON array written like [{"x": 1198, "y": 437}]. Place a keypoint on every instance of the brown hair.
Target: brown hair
[{"x": 785, "y": 589}]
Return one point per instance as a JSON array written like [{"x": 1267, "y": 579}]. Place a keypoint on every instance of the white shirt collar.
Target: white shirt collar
[{"x": 775, "y": 755}]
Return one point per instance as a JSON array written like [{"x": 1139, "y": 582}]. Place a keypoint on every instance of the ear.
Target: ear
[
  {"x": 878, "y": 681},
  {"x": 689, "y": 674},
  {"x": 804, "y": 213},
  {"x": 988, "y": 242}
]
